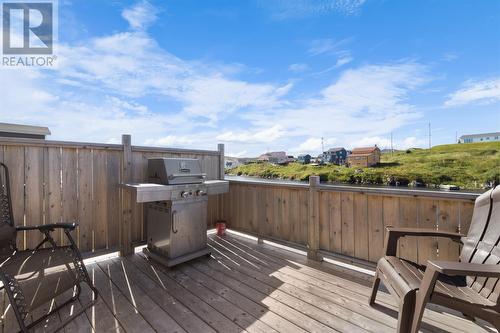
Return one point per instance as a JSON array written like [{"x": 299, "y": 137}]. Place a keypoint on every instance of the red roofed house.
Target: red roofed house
[{"x": 364, "y": 157}]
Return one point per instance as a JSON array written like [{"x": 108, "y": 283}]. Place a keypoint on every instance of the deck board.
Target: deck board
[{"x": 243, "y": 287}]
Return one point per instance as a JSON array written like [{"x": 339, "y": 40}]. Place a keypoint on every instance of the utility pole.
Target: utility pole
[
  {"x": 456, "y": 136},
  {"x": 322, "y": 145},
  {"x": 429, "y": 135},
  {"x": 392, "y": 147}
]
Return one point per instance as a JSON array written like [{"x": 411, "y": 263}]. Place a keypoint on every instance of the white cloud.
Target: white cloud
[
  {"x": 372, "y": 141},
  {"x": 343, "y": 61},
  {"x": 210, "y": 96},
  {"x": 171, "y": 141},
  {"x": 303, "y": 8},
  {"x": 327, "y": 46},
  {"x": 369, "y": 101},
  {"x": 385, "y": 142},
  {"x": 141, "y": 15},
  {"x": 250, "y": 137},
  {"x": 242, "y": 153},
  {"x": 131, "y": 64},
  {"x": 313, "y": 145},
  {"x": 411, "y": 142},
  {"x": 483, "y": 92},
  {"x": 298, "y": 68}
]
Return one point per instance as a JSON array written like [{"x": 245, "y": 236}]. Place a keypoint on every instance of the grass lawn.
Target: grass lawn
[{"x": 469, "y": 166}]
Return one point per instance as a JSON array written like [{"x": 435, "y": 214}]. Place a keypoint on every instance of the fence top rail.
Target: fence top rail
[
  {"x": 8, "y": 141},
  {"x": 440, "y": 194},
  {"x": 174, "y": 150}
]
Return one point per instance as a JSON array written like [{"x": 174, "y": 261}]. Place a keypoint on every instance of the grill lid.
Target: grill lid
[{"x": 174, "y": 171}]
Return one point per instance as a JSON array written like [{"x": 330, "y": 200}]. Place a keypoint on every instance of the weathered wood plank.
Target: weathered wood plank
[
  {"x": 118, "y": 272},
  {"x": 69, "y": 192},
  {"x": 53, "y": 194},
  {"x": 324, "y": 221},
  {"x": 335, "y": 208},
  {"x": 85, "y": 201},
  {"x": 100, "y": 199},
  {"x": 112, "y": 222},
  {"x": 34, "y": 182},
  {"x": 189, "y": 299},
  {"x": 375, "y": 228},
  {"x": 347, "y": 206},
  {"x": 408, "y": 218},
  {"x": 361, "y": 244},
  {"x": 448, "y": 220},
  {"x": 427, "y": 219}
]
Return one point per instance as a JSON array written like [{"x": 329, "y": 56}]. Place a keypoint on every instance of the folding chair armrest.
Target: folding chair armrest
[
  {"x": 394, "y": 233},
  {"x": 464, "y": 268},
  {"x": 49, "y": 227}
]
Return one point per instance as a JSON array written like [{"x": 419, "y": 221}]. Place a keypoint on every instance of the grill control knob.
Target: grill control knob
[
  {"x": 201, "y": 192},
  {"x": 185, "y": 194}
]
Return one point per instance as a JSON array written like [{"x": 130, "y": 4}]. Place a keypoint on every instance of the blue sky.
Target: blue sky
[{"x": 263, "y": 75}]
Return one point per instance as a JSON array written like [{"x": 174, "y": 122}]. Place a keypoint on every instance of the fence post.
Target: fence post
[
  {"x": 126, "y": 198},
  {"x": 220, "y": 176},
  {"x": 222, "y": 170},
  {"x": 313, "y": 222}
]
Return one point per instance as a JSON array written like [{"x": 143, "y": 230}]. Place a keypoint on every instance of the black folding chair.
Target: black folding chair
[{"x": 34, "y": 277}]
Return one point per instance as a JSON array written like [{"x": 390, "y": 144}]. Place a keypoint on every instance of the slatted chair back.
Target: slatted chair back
[
  {"x": 7, "y": 230},
  {"x": 482, "y": 242}
]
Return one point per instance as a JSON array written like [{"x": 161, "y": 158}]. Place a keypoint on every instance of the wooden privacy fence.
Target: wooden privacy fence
[
  {"x": 347, "y": 220},
  {"x": 54, "y": 181}
]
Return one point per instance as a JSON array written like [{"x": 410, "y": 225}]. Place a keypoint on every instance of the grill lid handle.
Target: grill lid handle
[{"x": 179, "y": 175}]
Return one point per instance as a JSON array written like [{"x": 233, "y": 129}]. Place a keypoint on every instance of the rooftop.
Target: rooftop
[
  {"x": 28, "y": 131},
  {"x": 480, "y": 134},
  {"x": 364, "y": 150}
]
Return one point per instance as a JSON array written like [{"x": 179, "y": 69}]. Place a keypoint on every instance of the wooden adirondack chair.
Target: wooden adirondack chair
[
  {"x": 33, "y": 277},
  {"x": 470, "y": 286}
]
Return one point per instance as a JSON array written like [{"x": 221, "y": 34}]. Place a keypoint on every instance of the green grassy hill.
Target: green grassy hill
[{"x": 469, "y": 166}]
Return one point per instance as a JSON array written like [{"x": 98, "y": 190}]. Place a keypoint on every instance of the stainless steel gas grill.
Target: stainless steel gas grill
[{"x": 177, "y": 202}]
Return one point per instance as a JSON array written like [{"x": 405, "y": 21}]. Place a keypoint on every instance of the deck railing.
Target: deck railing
[
  {"x": 347, "y": 220},
  {"x": 53, "y": 181}
]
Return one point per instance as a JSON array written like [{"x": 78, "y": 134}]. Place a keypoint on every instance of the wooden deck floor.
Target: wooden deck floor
[{"x": 243, "y": 287}]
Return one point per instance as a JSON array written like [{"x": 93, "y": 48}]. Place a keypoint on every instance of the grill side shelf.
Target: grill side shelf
[{"x": 149, "y": 192}]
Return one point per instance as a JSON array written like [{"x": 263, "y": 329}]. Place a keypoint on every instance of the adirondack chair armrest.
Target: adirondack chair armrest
[
  {"x": 464, "y": 268},
  {"x": 49, "y": 227},
  {"x": 394, "y": 233}
]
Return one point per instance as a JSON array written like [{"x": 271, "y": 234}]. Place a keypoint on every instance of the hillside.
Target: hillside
[{"x": 469, "y": 166}]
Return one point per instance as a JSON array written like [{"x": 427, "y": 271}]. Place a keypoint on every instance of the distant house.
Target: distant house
[
  {"x": 304, "y": 159},
  {"x": 275, "y": 157},
  {"x": 364, "y": 157},
  {"x": 320, "y": 159},
  {"x": 484, "y": 137},
  {"x": 335, "y": 156}
]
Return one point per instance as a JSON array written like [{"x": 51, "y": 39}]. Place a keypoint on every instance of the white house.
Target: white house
[{"x": 484, "y": 137}]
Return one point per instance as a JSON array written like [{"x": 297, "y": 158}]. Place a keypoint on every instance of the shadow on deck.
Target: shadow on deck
[{"x": 243, "y": 287}]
